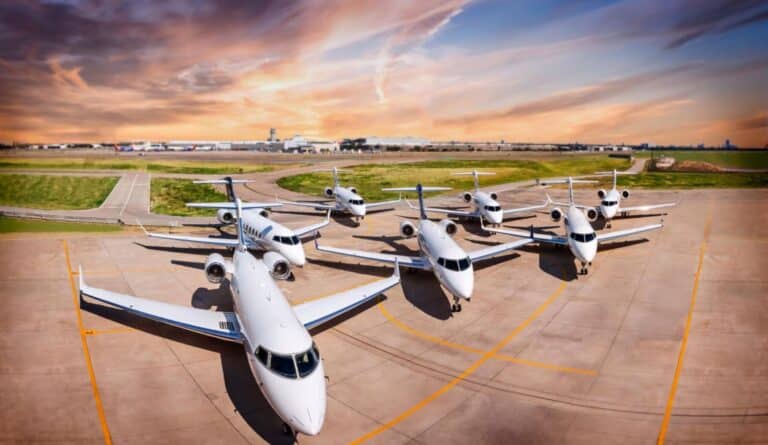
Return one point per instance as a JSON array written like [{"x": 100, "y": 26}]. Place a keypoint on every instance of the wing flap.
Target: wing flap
[
  {"x": 538, "y": 237},
  {"x": 221, "y": 325},
  {"x": 373, "y": 205},
  {"x": 311, "y": 228},
  {"x": 446, "y": 211},
  {"x": 309, "y": 204},
  {"x": 647, "y": 207},
  {"x": 602, "y": 237},
  {"x": 403, "y": 260},
  {"x": 492, "y": 251}
]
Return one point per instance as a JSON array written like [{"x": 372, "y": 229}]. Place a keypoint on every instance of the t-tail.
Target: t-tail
[
  {"x": 419, "y": 189},
  {"x": 228, "y": 182},
  {"x": 475, "y": 176},
  {"x": 420, "y": 193}
]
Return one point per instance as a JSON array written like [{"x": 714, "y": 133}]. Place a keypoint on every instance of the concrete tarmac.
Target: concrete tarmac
[{"x": 540, "y": 355}]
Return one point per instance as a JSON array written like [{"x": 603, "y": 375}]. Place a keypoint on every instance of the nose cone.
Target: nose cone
[
  {"x": 495, "y": 217},
  {"x": 358, "y": 210},
  {"x": 295, "y": 255},
  {"x": 299, "y": 402},
  {"x": 608, "y": 211},
  {"x": 460, "y": 284},
  {"x": 585, "y": 252}
]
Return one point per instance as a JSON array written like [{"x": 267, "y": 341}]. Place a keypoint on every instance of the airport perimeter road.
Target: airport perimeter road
[{"x": 665, "y": 338}]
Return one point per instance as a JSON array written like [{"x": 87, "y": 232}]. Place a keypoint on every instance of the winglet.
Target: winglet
[
  {"x": 327, "y": 218},
  {"x": 549, "y": 199},
  {"x": 396, "y": 272},
  {"x": 530, "y": 231},
  {"x": 317, "y": 235}
]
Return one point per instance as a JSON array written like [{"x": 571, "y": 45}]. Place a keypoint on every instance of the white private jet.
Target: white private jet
[
  {"x": 580, "y": 237},
  {"x": 610, "y": 201},
  {"x": 282, "y": 246},
  {"x": 346, "y": 200},
  {"x": 486, "y": 206},
  {"x": 451, "y": 265},
  {"x": 281, "y": 354}
]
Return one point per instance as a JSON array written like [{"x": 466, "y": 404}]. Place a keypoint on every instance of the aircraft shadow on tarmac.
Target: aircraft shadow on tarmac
[
  {"x": 601, "y": 223},
  {"x": 419, "y": 287},
  {"x": 187, "y": 250},
  {"x": 553, "y": 260}
]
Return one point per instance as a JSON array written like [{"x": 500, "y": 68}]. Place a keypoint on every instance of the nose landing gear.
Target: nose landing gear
[
  {"x": 456, "y": 306},
  {"x": 584, "y": 270}
]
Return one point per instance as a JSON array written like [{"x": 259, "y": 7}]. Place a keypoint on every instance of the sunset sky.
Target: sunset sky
[{"x": 658, "y": 71}]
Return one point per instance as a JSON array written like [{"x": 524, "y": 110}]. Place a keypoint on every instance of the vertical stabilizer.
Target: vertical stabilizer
[
  {"x": 615, "y": 174},
  {"x": 240, "y": 232},
  {"x": 420, "y": 192},
  {"x": 475, "y": 175},
  {"x": 335, "y": 177},
  {"x": 570, "y": 190}
]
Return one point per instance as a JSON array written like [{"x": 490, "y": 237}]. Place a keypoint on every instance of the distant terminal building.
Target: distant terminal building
[
  {"x": 384, "y": 143},
  {"x": 272, "y": 135},
  {"x": 300, "y": 144}
]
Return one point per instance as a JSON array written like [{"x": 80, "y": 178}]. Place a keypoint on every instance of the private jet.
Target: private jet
[
  {"x": 580, "y": 237},
  {"x": 282, "y": 357},
  {"x": 610, "y": 201},
  {"x": 486, "y": 206},
  {"x": 282, "y": 246},
  {"x": 346, "y": 200},
  {"x": 451, "y": 265}
]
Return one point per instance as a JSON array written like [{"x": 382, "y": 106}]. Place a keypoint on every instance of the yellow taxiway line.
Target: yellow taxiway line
[
  {"x": 467, "y": 372},
  {"x": 508, "y": 358},
  {"x": 686, "y": 333},
  {"x": 86, "y": 351}
]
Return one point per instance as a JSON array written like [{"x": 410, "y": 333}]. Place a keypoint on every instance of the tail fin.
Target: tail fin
[
  {"x": 420, "y": 192},
  {"x": 570, "y": 190},
  {"x": 475, "y": 175},
  {"x": 240, "y": 232},
  {"x": 228, "y": 183}
]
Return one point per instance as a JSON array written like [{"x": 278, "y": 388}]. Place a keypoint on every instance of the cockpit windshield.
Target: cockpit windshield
[
  {"x": 583, "y": 237},
  {"x": 290, "y": 366},
  {"x": 493, "y": 208},
  {"x": 609, "y": 203},
  {"x": 289, "y": 240},
  {"x": 356, "y": 202},
  {"x": 455, "y": 265}
]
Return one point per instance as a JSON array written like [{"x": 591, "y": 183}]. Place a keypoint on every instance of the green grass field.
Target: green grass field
[
  {"x": 17, "y": 225},
  {"x": 656, "y": 180},
  {"x": 188, "y": 167},
  {"x": 369, "y": 179},
  {"x": 728, "y": 159},
  {"x": 169, "y": 197},
  {"x": 54, "y": 192}
]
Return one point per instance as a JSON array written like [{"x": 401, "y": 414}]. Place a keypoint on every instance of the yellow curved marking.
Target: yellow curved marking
[
  {"x": 86, "y": 351},
  {"x": 686, "y": 333},
  {"x": 507, "y": 358},
  {"x": 467, "y": 372}
]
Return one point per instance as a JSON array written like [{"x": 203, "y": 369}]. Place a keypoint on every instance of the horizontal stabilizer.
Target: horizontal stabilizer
[
  {"x": 232, "y": 205},
  {"x": 414, "y": 189}
]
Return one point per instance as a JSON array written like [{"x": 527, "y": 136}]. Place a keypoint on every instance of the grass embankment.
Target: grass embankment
[
  {"x": 169, "y": 196},
  {"x": 55, "y": 192},
  {"x": 17, "y": 225},
  {"x": 369, "y": 179},
  {"x": 682, "y": 180},
  {"x": 186, "y": 167},
  {"x": 727, "y": 159}
]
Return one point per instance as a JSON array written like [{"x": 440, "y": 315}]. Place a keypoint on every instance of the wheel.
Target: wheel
[
  {"x": 453, "y": 308},
  {"x": 287, "y": 429},
  {"x": 458, "y": 307}
]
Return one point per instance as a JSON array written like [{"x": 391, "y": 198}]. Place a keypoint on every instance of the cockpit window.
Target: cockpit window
[
  {"x": 289, "y": 240},
  {"x": 609, "y": 203},
  {"x": 493, "y": 208},
  {"x": 307, "y": 361},
  {"x": 455, "y": 265},
  {"x": 262, "y": 355},
  {"x": 583, "y": 237},
  {"x": 357, "y": 202},
  {"x": 283, "y": 365}
]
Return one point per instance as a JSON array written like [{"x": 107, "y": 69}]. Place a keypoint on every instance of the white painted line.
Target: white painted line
[{"x": 130, "y": 192}]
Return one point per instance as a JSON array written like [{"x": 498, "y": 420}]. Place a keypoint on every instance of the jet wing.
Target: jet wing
[
  {"x": 198, "y": 239},
  {"x": 492, "y": 251},
  {"x": 304, "y": 230},
  {"x": 373, "y": 205},
  {"x": 526, "y": 209},
  {"x": 646, "y": 208},
  {"x": 316, "y": 312},
  {"x": 530, "y": 235},
  {"x": 221, "y": 325},
  {"x": 232, "y": 205},
  {"x": 310, "y": 204},
  {"x": 609, "y": 236},
  {"x": 403, "y": 260},
  {"x": 446, "y": 211}
]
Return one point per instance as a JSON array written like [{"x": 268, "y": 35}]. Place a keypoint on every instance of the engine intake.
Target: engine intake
[
  {"x": 407, "y": 229},
  {"x": 328, "y": 192},
  {"x": 467, "y": 197},
  {"x": 601, "y": 193},
  {"x": 556, "y": 214},
  {"x": 494, "y": 196},
  {"x": 449, "y": 227},
  {"x": 353, "y": 190},
  {"x": 215, "y": 268},
  {"x": 278, "y": 266},
  {"x": 625, "y": 194},
  {"x": 264, "y": 213},
  {"x": 225, "y": 216},
  {"x": 591, "y": 214}
]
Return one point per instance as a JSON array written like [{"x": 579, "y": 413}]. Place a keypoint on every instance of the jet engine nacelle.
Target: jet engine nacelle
[
  {"x": 225, "y": 216},
  {"x": 449, "y": 227},
  {"x": 353, "y": 190},
  {"x": 556, "y": 214},
  {"x": 601, "y": 193},
  {"x": 407, "y": 229},
  {"x": 467, "y": 197},
  {"x": 591, "y": 214},
  {"x": 215, "y": 268},
  {"x": 328, "y": 192},
  {"x": 277, "y": 265},
  {"x": 494, "y": 196},
  {"x": 625, "y": 194}
]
